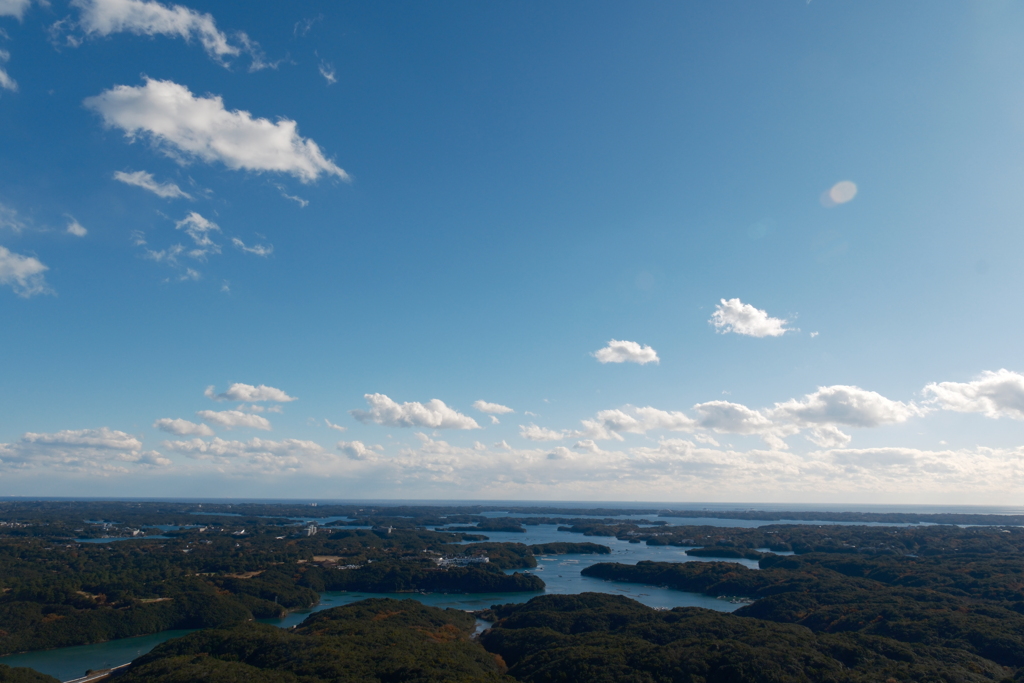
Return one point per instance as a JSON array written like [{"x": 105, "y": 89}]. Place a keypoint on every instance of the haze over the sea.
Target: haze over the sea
[{"x": 732, "y": 251}]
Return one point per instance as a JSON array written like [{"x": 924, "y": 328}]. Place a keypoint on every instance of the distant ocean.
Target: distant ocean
[{"x": 661, "y": 505}]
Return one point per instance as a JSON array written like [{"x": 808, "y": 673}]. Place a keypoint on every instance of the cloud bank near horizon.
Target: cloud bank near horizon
[{"x": 654, "y": 453}]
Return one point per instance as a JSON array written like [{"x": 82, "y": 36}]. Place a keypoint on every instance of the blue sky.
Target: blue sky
[{"x": 687, "y": 251}]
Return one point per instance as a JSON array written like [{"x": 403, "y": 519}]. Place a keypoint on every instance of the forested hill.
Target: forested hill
[
  {"x": 968, "y": 606},
  {"x": 385, "y": 641},
  {"x": 19, "y": 674},
  {"x": 599, "y": 638}
]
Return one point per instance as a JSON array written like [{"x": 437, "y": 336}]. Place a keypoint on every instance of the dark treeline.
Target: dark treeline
[
  {"x": 408, "y": 516},
  {"x": 564, "y": 548},
  {"x": 852, "y": 517},
  {"x": 807, "y": 538}
]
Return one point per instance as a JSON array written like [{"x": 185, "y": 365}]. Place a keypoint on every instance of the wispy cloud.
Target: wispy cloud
[
  {"x": 492, "y": 408},
  {"x": 74, "y": 227},
  {"x": 23, "y": 274},
  {"x": 303, "y": 27},
  {"x": 256, "y": 249},
  {"x": 6, "y": 82},
  {"x": 143, "y": 179},
  {"x": 199, "y": 229},
  {"x": 106, "y": 17},
  {"x": 9, "y": 219},
  {"x": 337, "y": 428},
  {"x": 327, "y": 71},
  {"x": 169, "y": 255},
  {"x": 190, "y": 127},
  {"x": 14, "y": 8},
  {"x": 303, "y": 203}
]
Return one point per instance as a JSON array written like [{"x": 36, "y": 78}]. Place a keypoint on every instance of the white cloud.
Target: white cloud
[
  {"x": 679, "y": 468},
  {"x": 186, "y": 126},
  {"x": 253, "y": 408},
  {"x": 626, "y": 352},
  {"x": 75, "y": 228},
  {"x": 588, "y": 445},
  {"x": 610, "y": 424},
  {"x": 105, "y": 17},
  {"x": 845, "y": 405},
  {"x": 819, "y": 413},
  {"x": 327, "y": 71},
  {"x": 257, "y": 249},
  {"x": 993, "y": 394},
  {"x": 634, "y": 420},
  {"x": 828, "y": 436},
  {"x": 337, "y": 428},
  {"x": 561, "y": 453},
  {"x": 433, "y": 413},
  {"x": 230, "y": 419},
  {"x": 6, "y": 82},
  {"x": 14, "y": 8},
  {"x": 492, "y": 408},
  {"x": 494, "y": 420},
  {"x": 98, "y": 451},
  {"x": 535, "y": 433},
  {"x": 731, "y": 418},
  {"x": 261, "y": 455},
  {"x": 735, "y": 316},
  {"x": 181, "y": 427},
  {"x": 143, "y": 179},
  {"x": 706, "y": 439},
  {"x": 247, "y": 392},
  {"x": 23, "y": 274},
  {"x": 357, "y": 450},
  {"x": 199, "y": 229},
  {"x": 725, "y": 417},
  {"x": 840, "y": 193}
]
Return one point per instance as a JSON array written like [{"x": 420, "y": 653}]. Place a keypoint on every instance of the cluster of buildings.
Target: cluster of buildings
[{"x": 446, "y": 562}]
